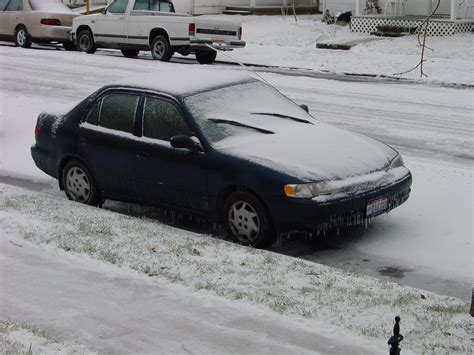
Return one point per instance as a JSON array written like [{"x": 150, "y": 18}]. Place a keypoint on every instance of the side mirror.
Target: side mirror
[
  {"x": 305, "y": 107},
  {"x": 183, "y": 141}
]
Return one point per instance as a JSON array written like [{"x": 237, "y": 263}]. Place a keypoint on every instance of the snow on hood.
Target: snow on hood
[{"x": 312, "y": 152}]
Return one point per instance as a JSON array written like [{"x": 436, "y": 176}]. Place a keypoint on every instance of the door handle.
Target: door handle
[{"x": 83, "y": 140}]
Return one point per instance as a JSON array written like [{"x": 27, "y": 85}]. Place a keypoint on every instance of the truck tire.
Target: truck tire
[
  {"x": 22, "y": 38},
  {"x": 85, "y": 42},
  {"x": 130, "y": 53},
  {"x": 161, "y": 49},
  {"x": 206, "y": 57}
]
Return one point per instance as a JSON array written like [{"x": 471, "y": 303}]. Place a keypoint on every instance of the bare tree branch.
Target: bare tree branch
[{"x": 422, "y": 33}]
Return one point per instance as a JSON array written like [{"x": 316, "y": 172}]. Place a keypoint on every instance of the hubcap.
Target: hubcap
[
  {"x": 78, "y": 184},
  {"x": 21, "y": 37},
  {"x": 159, "y": 49},
  {"x": 244, "y": 221},
  {"x": 84, "y": 43}
]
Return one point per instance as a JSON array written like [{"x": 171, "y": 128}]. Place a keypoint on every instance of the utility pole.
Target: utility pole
[{"x": 87, "y": 7}]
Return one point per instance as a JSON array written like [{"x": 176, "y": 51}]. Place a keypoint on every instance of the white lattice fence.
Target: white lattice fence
[{"x": 437, "y": 28}]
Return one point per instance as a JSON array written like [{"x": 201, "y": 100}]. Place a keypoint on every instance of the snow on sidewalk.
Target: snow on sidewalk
[
  {"x": 312, "y": 295},
  {"x": 119, "y": 311}
]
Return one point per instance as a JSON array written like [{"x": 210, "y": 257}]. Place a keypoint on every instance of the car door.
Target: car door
[
  {"x": 10, "y": 16},
  {"x": 106, "y": 141},
  {"x": 111, "y": 27},
  {"x": 164, "y": 174}
]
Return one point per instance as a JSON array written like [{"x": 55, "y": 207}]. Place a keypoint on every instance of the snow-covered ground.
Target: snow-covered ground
[
  {"x": 327, "y": 303},
  {"x": 430, "y": 235},
  {"x": 274, "y": 40}
]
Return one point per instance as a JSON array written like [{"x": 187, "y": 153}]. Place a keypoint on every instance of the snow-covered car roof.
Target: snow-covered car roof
[{"x": 184, "y": 82}]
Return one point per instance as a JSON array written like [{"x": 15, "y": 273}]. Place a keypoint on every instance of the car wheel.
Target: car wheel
[
  {"x": 247, "y": 220},
  {"x": 79, "y": 184},
  {"x": 69, "y": 46},
  {"x": 85, "y": 42},
  {"x": 130, "y": 53},
  {"x": 206, "y": 57},
  {"x": 22, "y": 38},
  {"x": 161, "y": 49}
]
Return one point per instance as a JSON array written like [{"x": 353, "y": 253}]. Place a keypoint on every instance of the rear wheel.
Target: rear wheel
[
  {"x": 247, "y": 221},
  {"x": 22, "y": 38},
  {"x": 161, "y": 49},
  {"x": 206, "y": 57},
  {"x": 79, "y": 184},
  {"x": 85, "y": 42},
  {"x": 130, "y": 53}
]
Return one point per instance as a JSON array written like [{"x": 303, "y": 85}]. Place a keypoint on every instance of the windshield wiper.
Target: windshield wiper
[
  {"x": 282, "y": 116},
  {"x": 235, "y": 123}
]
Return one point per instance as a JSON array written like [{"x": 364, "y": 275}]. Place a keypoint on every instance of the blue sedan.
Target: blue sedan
[{"x": 224, "y": 145}]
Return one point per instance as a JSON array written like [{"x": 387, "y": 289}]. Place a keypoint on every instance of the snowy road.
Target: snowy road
[{"x": 426, "y": 243}]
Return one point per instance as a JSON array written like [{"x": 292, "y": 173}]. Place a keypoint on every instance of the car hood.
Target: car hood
[{"x": 312, "y": 152}]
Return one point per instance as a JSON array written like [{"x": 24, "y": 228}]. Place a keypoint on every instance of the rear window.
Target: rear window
[
  {"x": 153, "y": 5},
  {"x": 49, "y": 6}
]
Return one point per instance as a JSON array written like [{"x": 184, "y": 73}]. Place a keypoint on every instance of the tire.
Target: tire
[
  {"x": 69, "y": 46},
  {"x": 161, "y": 49},
  {"x": 22, "y": 38},
  {"x": 206, "y": 57},
  {"x": 79, "y": 184},
  {"x": 247, "y": 220},
  {"x": 130, "y": 53},
  {"x": 85, "y": 42}
]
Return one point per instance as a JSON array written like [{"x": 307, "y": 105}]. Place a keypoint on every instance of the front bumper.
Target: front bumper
[
  {"x": 308, "y": 216},
  {"x": 225, "y": 45}
]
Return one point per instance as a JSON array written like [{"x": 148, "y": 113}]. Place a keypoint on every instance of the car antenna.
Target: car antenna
[{"x": 242, "y": 65}]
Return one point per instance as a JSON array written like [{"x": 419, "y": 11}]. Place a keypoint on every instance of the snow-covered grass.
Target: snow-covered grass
[
  {"x": 362, "y": 305},
  {"x": 22, "y": 338},
  {"x": 274, "y": 40}
]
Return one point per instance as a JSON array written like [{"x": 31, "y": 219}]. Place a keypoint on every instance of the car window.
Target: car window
[
  {"x": 49, "y": 5},
  {"x": 93, "y": 115},
  {"x": 118, "y": 7},
  {"x": 118, "y": 112},
  {"x": 13, "y": 5},
  {"x": 3, "y": 4},
  {"x": 162, "y": 120}
]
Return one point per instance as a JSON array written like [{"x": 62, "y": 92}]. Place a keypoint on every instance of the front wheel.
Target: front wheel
[
  {"x": 79, "y": 184},
  {"x": 161, "y": 49},
  {"x": 69, "y": 46},
  {"x": 85, "y": 42},
  {"x": 247, "y": 220},
  {"x": 130, "y": 53},
  {"x": 206, "y": 57},
  {"x": 22, "y": 38}
]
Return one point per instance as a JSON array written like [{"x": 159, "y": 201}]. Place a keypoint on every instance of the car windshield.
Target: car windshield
[
  {"x": 49, "y": 5},
  {"x": 244, "y": 109}
]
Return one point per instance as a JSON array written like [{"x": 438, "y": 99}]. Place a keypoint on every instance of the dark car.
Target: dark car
[{"x": 220, "y": 144}]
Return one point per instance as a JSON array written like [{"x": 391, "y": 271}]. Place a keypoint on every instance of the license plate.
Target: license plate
[
  {"x": 217, "y": 39},
  {"x": 377, "y": 206}
]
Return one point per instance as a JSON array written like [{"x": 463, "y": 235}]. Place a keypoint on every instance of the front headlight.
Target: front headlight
[
  {"x": 397, "y": 162},
  {"x": 308, "y": 190}
]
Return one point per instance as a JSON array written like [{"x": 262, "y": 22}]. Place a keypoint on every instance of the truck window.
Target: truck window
[
  {"x": 118, "y": 7},
  {"x": 153, "y": 5}
]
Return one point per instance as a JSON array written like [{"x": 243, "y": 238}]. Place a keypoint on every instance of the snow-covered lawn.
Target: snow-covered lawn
[
  {"x": 274, "y": 40},
  {"x": 362, "y": 305}
]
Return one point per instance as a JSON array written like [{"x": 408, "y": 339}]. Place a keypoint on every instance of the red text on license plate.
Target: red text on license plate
[{"x": 377, "y": 206}]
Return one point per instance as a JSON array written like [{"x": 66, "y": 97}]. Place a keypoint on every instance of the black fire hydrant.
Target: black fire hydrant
[{"x": 396, "y": 338}]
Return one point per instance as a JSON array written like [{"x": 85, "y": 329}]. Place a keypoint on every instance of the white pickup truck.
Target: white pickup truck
[{"x": 152, "y": 25}]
